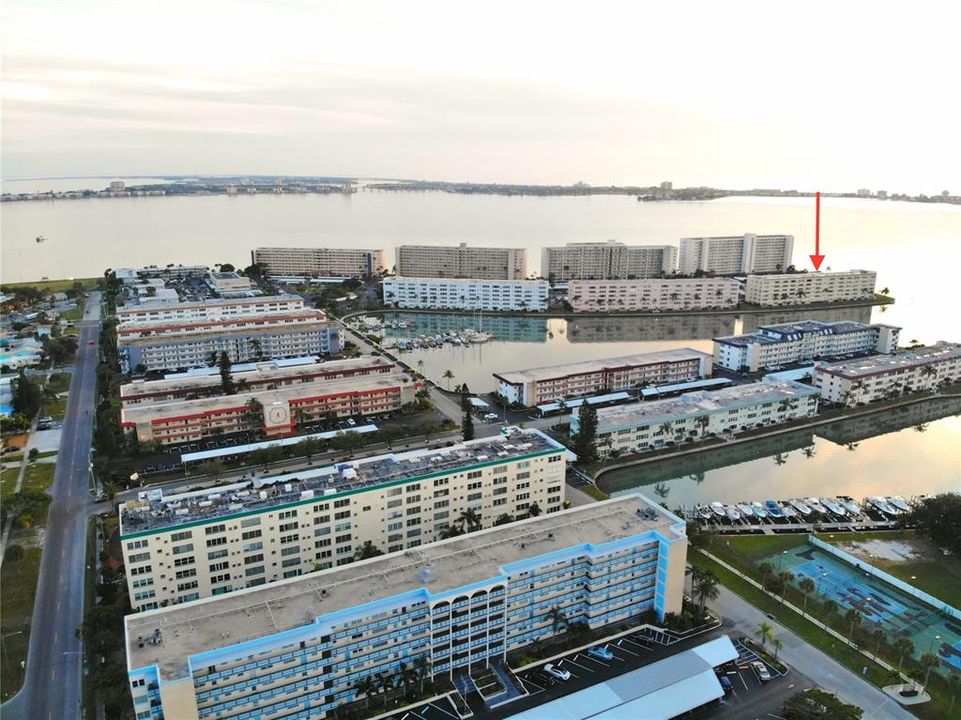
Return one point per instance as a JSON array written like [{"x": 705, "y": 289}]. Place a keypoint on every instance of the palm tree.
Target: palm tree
[
  {"x": 785, "y": 576},
  {"x": 830, "y": 607},
  {"x": 367, "y": 550},
  {"x": 885, "y": 291},
  {"x": 809, "y": 452},
  {"x": 764, "y": 632},
  {"x": 386, "y": 683},
  {"x": 853, "y": 617},
  {"x": 904, "y": 646},
  {"x": 422, "y": 666},
  {"x": 777, "y": 644},
  {"x": 706, "y": 587},
  {"x": 470, "y": 519},
  {"x": 807, "y": 587},
  {"x": 666, "y": 427},
  {"x": 929, "y": 661},
  {"x": 702, "y": 422},
  {"x": 534, "y": 510},
  {"x": 366, "y": 687},
  {"x": 503, "y": 519},
  {"x": 558, "y": 618},
  {"x": 448, "y": 375},
  {"x": 878, "y": 635},
  {"x": 420, "y": 366},
  {"x": 954, "y": 683},
  {"x": 452, "y": 530},
  {"x": 780, "y": 459}
]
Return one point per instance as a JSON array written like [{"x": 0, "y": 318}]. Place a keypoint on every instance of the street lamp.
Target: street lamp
[
  {"x": 783, "y": 553},
  {"x": 931, "y": 647},
  {"x": 817, "y": 586}
]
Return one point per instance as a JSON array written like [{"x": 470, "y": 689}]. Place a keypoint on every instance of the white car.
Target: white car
[
  {"x": 559, "y": 673},
  {"x": 762, "y": 673}
]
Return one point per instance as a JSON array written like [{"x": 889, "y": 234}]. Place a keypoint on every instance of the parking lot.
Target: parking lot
[{"x": 441, "y": 709}]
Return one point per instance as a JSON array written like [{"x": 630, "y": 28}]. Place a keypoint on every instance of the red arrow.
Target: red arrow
[{"x": 817, "y": 258}]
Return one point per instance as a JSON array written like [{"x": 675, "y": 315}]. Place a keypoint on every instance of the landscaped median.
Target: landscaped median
[{"x": 741, "y": 565}]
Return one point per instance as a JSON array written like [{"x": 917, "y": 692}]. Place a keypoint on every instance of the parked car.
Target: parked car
[
  {"x": 541, "y": 677},
  {"x": 600, "y": 653},
  {"x": 559, "y": 673},
  {"x": 761, "y": 670},
  {"x": 726, "y": 683}
]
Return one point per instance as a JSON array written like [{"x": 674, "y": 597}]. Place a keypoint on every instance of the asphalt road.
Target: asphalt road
[{"x": 51, "y": 690}]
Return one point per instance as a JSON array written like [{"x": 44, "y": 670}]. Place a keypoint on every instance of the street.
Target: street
[{"x": 51, "y": 689}]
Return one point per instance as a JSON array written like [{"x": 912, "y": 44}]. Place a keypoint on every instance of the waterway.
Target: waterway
[{"x": 904, "y": 451}]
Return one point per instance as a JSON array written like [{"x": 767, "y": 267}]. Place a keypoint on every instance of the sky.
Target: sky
[{"x": 815, "y": 95}]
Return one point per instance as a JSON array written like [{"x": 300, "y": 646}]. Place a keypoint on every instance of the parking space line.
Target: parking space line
[
  {"x": 577, "y": 664},
  {"x": 446, "y": 712},
  {"x": 743, "y": 682},
  {"x": 593, "y": 659},
  {"x": 624, "y": 649}
]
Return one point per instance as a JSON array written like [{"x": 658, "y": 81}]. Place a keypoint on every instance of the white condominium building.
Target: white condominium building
[
  {"x": 776, "y": 345},
  {"x": 182, "y": 547},
  {"x": 466, "y": 294},
  {"x": 736, "y": 254},
  {"x": 321, "y": 262},
  {"x": 869, "y": 379},
  {"x": 210, "y": 310},
  {"x": 301, "y": 648},
  {"x": 650, "y": 425},
  {"x": 607, "y": 260},
  {"x": 591, "y": 377},
  {"x": 170, "y": 272},
  {"x": 652, "y": 294},
  {"x": 810, "y": 287},
  {"x": 461, "y": 261}
]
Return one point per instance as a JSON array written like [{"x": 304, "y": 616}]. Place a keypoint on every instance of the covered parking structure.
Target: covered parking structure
[{"x": 659, "y": 691}]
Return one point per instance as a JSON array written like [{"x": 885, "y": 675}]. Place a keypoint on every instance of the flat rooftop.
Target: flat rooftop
[
  {"x": 219, "y": 302},
  {"x": 539, "y": 374},
  {"x": 155, "y": 512},
  {"x": 885, "y": 363},
  {"x": 253, "y": 613},
  {"x": 770, "y": 334},
  {"x": 699, "y": 403},
  {"x": 255, "y": 372},
  {"x": 294, "y": 321}
]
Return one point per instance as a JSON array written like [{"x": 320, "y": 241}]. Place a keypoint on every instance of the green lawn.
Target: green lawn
[
  {"x": 594, "y": 492},
  {"x": 59, "y": 382},
  {"x": 55, "y": 408},
  {"x": 18, "y": 587},
  {"x": 8, "y": 480},
  {"x": 72, "y": 315},
  {"x": 39, "y": 476},
  {"x": 56, "y": 285}
]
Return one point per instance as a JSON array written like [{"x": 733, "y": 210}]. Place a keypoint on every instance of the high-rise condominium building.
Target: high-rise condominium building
[
  {"x": 320, "y": 262},
  {"x": 810, "y": 287},
  {"x": 659, "y": 294},
  {"x": 300, "y": 648},
  {"x": 776, "y": 345},
  {"x": 461, "y": 261},
  {"x": 182, "y": 547},
  {"x": 737, "y": 254},
  {"x": 466, "y": 294},
  {"x": 607, "y": 260}
]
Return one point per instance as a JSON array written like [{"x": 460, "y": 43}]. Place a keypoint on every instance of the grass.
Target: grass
[
  {"x": 55, "y": 408},
  {"x": 8, "y": 481},
  {"x": 72, "y": 315},
  {"x": 56, "y": 285},
  {"x": 59, "y": 382},
  {"x": 594, "y": 492},
  {"x": 18, "y": 588},
  {"x": 39, "y": 476}
]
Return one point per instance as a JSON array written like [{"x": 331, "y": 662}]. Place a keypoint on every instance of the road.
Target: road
[
  {"x": 51, "y": 690},
  {"x": 823, "y": 670}
]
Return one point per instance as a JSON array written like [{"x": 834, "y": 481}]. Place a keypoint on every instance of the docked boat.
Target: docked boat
[
  {"x": 718, "y": 509},
  {"x": 732, "y": 513},
  {"x": 801, "y": 507},
  {"x": 703, "y": 512},
  {"x": 746, "y": 510},
  {"x": 835, "y": 507},
  {"x": 882, "y": 506},
  {"x": 773, "y": 509},
  {"x": 816, "y": 505},
  {"x": 758, "y": 509},
  {"x": 899, "y": 503},
  {"x": 852, "y": 507},
  {"x": 789, "y": 512}
]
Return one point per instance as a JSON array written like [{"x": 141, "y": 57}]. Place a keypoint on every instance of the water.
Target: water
[{"x": 905, "y": 451}]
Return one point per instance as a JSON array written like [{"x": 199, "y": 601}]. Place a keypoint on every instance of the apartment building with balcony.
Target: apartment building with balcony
[
  {"x": 658, "y": 423},
  {"x": 210, "y": 310},
  {"x": 783, "y": 344},
  {"x": 461, "y": 261},
  {"x": 437, "y": 293},
  {"x": 810, "y": 287},
  {"x": 733, "y": 255},
  {"x": 867, "y": 380},
  {"x": 607, "y": 260},
  {"x": 181, "y": 547},
  {"x": 320, "y": 262},
  {"x": 298, "y": 649},
  {"x": 652, "y": 294},
  {"x": 535, "y": 386}
]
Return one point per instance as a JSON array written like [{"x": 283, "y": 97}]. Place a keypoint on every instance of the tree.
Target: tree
[
  {"x": 14, "y": 553},
  {"x": 904, "y": 646},
  {"x": 938, "y": 518},
  {"x": 807, "y": 587},
  {"x": 929, "y": 661},
  {"x": 503, "y": 519},
  {"x": 367, "y": 550},
  {"x": 452, "y": 530},
  {"x": 533, "y": 510},
  {"x": 816, "y": 704},
  {"x": 830, "y": 607},
  {"x": 386, "y": 683},
  {"x": 764, "y": 632},
  {"x": 585, "y": 439},
  {"x": 879, "y": 635},
  {"x": 26, "y": 395},
  {"x": 954, "y": 684},
  {"x": 853, "y": 616},
  {"x": 705, "y": 587},
  {"x": 226, "y": 379},
  {"x": 558, "y": 619},
  {"x": 422, "y": 666},
  {"x": 470, "y": 519},
  {"x": 448, "y": 375},
  {"x": 468, "y": 424},
  {"x": 366, "y": 687},
  {"x": 777, "y": 644}
]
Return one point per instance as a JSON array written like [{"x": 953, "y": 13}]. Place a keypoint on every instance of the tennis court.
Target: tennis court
[{"x": 880, "y": 604}]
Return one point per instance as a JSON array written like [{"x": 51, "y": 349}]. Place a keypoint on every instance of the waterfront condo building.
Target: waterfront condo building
[
  {"x": 269, "y": 399},
  {"x": 591, "y": 377},
  {"x": 186, "y": 546},
  {"x": 607, "y": 260},
  {"x": 461, "y": 261},
  {"x": 652, "y": 294},
  {"x": 170, "y": 272},
  {"x": 810, "y": 287},
  {"x": 777, "y": 345},
  {"x": 737, "y": 254},
  {"x": 657, "y": 423},
  {"x": 879, "y": 377},
  {"x": 466, "y": 294},
  {"x": 298, "y": 649},
  {"x": 320, "y": 262},
  {"x": 189, "y": 335}
]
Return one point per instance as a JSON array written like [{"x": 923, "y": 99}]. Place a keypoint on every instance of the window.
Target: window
[
  {"x": 214, "y": 529},
  {"x": 342, "y": 538},
  {"x": 189, "y": 547},
  {"x": 474, "y": 474},
  {"x": 342, "y": 527},
  {"x": 394, "y": 526},
  {"x": 345, "y": 515},
  {"x": 254, "y": 570},
  {"x": 138, "y": 557},
  {"x": 217, "y": 554},
  {"x": 250, "y": 522},
  {"x": 188, "y": 573},
  {"x": 217, "y": 567},
  {"x": 136, "y": 545},
  {"x": 214, "y": 542},
  {"x": 287, "y": 527},
  {"x": 321, "y": 519},
  {"x": 287, "y": 515},
  {"x": 178, "y": 536},
  {"x": 253, "y": 559},
  {"x": 186, "y": 586},
  {"x": 250, "y": 547},
  {"x": 394, "y": 492},
  {"x": 251, "y": 534},
  {"x": 342, "y": 503}
]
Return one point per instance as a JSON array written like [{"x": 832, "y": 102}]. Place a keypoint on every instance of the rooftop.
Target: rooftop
[
  {"x": 466, "y": 281},
  {"x": 802, "y": 275},
  {"x": 293, "y": 321},
  {"x": 702, "y": 402},
  {"x": 253, "y": 613},
  {"x": 770, "y": 334},
  {"x": 595, "y": 366},
  {"x": 886, "y": 363},
  {"x": 218, "y": 302},
  {"x": 154, "y": 512}
]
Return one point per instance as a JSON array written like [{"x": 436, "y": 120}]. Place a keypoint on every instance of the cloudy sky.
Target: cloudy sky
[{"x": 833, "y": 95}]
